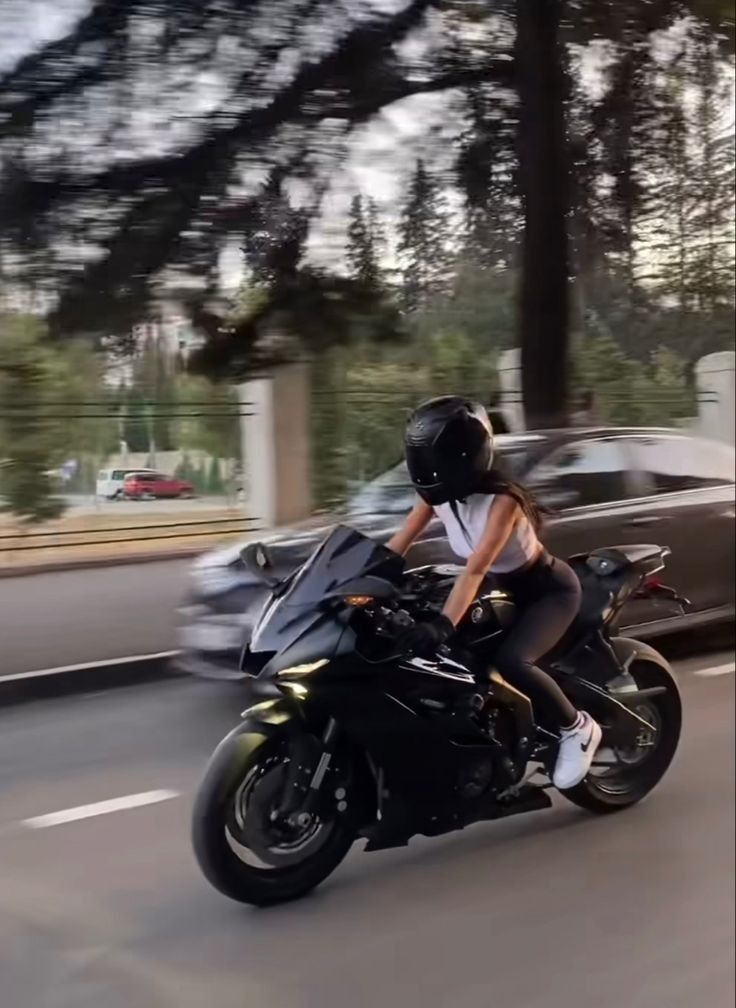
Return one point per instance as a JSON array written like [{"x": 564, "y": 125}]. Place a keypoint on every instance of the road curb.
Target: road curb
[
  {"x": 90, "y": 677},
  {"x": 108, "y": 561}
]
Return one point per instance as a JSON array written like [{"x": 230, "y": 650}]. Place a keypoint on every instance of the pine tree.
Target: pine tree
[
  {"x": 275, "y": 234},
  {"x": 154, "y": 379},
  {"x": 54, "y": 406},
  {"x": 31, "y": 439},
  {"x": 712, "y": 221},
  {"x": 423, "y": 240},
  {"x": 209, "y": 417},
  {"x": 365, "y": 242},
  {"x": 687, "y": 230},
  {"x": 136, "y": 423},
  {"x": 486, "y": 174},
  {"x": 214, "y": 477},
  {"x": 330, "y": 416},
  {"x": 671, "y": 206}
]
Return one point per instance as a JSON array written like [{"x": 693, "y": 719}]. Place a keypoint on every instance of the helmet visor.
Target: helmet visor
[{"x": 421, "y": 463}]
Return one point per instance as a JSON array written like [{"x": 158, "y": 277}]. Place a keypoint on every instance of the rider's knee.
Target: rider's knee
[{"x": 511, "y": 665}]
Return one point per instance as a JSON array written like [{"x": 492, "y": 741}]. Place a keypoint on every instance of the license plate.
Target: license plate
[{"x": 212, "y": 638}]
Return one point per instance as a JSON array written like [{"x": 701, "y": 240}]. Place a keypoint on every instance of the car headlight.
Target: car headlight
[
  {"x": 214, "y": 580},
  {"x": 299, "y": 671}
]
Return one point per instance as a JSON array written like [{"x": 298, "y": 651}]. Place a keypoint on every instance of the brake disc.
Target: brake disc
[{"x": 275, "y": 841}]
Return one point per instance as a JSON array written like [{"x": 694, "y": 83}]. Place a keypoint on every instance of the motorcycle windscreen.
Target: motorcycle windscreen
[{"x": 345, "y": 556}]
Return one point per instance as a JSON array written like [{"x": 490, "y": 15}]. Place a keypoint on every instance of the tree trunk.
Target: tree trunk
[{"x": 543, "y": 177}]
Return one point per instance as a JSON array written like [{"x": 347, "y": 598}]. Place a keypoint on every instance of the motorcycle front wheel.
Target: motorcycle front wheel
[
  {"x": 637, "y": 770},
  {"x": 243, "y": 848}
]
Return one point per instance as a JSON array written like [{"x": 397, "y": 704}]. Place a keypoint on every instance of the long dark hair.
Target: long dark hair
[{"x": 495, "y": 481}]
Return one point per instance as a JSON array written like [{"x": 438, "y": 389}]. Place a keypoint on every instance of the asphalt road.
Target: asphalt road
[
  {"x": 71, "y": 617},
  {"x": 64, "y": 618},
  {"x": 546, "y": 911}
]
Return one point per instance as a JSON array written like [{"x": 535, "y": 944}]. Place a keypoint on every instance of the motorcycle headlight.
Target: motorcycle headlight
[{"x": 299, "y": 671}]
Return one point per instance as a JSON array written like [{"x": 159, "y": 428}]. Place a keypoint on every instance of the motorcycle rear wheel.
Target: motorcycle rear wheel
[
  {"x": 221, "y": 832},
  {"x": 639, "y": 772}
]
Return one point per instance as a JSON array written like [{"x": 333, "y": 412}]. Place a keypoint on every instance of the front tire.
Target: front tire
[
  {"x": 625, "y": 785},
  {"x": 220, "y": 829}
]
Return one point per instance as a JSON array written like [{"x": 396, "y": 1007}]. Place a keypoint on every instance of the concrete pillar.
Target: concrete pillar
[
  {"x": 509, "y": 376},
  {"x": 275, "y": 426},
  {"x": 714, "y": 377}
]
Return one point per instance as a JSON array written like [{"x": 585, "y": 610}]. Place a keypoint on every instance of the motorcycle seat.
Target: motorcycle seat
[
  {"x": 609, "y": 560},
  {"x": 595, "y": 596}
]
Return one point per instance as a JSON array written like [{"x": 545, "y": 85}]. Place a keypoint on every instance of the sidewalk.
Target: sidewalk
[{"x": 118, "y": 535}]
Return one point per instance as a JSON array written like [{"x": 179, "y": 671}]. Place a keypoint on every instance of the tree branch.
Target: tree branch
[
  {"x": 25, "y": 89},
  {"x": 361, "y": 46}
]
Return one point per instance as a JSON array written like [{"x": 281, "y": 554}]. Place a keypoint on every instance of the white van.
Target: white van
[{"x": 110, "y": 481}]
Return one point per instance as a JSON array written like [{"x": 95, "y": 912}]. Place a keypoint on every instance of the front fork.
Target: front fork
[{"x": 309, "y": 762}]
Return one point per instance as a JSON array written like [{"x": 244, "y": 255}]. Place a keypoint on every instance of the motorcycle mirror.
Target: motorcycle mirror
[{"x": 255, "y": 558}]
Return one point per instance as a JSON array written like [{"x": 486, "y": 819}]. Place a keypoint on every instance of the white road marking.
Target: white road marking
[
  {"x": 715, "y": 670},
  {"x": 102, "y": 662},
  {"x": 99, "y": 808}
]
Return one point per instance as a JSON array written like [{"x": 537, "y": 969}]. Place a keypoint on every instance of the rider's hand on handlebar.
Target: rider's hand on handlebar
[{"x": 425, "y": 638}]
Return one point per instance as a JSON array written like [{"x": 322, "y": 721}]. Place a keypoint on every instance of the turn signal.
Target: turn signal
[{"x": 359, "y": 600}]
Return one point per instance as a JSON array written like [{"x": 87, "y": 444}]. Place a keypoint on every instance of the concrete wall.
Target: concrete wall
[
  {"x": 275, "y": 425},
  {"x": 509, "y": 377},
  {"x": 292, "y": 433},
  {"x": 714, "y": 375},
  {"x": 715, "y": 383}
]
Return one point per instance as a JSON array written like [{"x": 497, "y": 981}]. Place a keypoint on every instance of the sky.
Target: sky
[
  {"x": 381, "y": 154},
  {"x": 27, "y": 24}
]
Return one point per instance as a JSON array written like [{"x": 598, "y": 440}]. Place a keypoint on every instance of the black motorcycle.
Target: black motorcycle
[{"x": 347, "y": 738}]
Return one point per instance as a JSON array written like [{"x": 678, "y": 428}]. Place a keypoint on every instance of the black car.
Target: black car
[{"x": 602, "y": 486}]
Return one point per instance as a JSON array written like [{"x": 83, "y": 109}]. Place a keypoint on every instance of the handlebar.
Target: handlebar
[{"x": 392, "y": 623}]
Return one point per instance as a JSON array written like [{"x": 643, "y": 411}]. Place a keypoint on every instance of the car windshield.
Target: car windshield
[
  {"x": 389, "y": 493},
  {"x": 392, "y": 492},
  {"x": 514, "y": 459}
]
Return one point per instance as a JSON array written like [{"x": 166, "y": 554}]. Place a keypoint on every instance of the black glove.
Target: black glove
[{"x": 425, "y": 638}]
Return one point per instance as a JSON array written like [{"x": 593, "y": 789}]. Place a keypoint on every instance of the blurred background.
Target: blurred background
[{"x": 238, "y": 243}]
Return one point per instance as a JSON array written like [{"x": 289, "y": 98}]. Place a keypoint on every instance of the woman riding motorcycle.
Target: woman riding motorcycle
[{"x": 493, "y": 523}]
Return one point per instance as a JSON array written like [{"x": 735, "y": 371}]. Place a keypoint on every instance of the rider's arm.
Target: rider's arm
[
  {"x": 502, "y": 517},
  {"x": 414, "y": 523}
]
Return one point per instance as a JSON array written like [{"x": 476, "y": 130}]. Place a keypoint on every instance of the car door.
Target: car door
[
  {"x": 689, "y": 506},
  {"x": 587, "y": 486},
  {"x": 158, "y": 485},
  {"x": 102, "y": 487},
  {"x": 595, "y": 496},
  {"x": 149, "y": 483}
]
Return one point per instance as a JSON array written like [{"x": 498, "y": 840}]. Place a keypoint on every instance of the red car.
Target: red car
[{"x": 140, "y": 486}]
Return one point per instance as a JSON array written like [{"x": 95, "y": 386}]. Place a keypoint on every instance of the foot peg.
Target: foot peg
[{"x": 472, "y": 704}]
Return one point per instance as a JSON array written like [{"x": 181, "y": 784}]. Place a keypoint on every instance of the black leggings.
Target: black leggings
[{"x": 547, "y": 597}]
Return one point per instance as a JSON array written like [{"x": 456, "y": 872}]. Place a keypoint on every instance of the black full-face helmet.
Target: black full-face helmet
[{"x": 449, "y": 448}]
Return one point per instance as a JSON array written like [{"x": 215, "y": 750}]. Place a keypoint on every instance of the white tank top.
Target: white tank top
[{"x": 464, "y": 535}]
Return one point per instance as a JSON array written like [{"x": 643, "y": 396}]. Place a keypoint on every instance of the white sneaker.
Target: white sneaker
[{"x": 577, "y": 749}]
